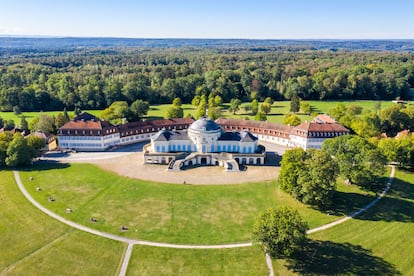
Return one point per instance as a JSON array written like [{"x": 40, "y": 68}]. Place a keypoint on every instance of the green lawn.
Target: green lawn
[
  {"x": 34, "y": 244},
  {"x": 380, "y": 241},
  {"x": 31, "y": 115},
  {"x": 279, "y": 109},
  {"x": 186, "y": 214},
  {"x": 166, "y": 261}
]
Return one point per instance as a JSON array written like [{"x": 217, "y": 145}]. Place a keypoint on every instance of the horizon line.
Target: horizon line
[{"x": 194, "y": 38}]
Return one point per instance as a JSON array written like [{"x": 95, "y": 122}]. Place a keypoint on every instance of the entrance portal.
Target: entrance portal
[{"x": 203, "y": 161}]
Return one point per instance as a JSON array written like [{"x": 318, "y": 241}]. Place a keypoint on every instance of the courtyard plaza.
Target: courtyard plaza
[{"x": 128, "y": 161}]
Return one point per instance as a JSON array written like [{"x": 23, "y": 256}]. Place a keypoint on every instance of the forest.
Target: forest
[{"x": 95, "y": 77}]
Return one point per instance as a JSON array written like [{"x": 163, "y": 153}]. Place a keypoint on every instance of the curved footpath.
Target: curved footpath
[{"x": 132, "y": 242}]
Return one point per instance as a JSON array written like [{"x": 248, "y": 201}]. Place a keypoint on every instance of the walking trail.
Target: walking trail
[{"x": 132, "y": 242}]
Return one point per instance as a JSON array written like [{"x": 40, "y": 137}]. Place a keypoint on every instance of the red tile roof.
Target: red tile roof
[
  {"x": 323, "y": 118},
  {"x": 312, "y": 129}
]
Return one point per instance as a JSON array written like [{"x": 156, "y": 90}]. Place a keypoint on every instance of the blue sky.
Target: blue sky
[{"x": 262, "y": 19}]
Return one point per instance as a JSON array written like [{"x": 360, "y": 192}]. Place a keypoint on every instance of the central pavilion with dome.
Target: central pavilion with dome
[{"x": 204, "y": 143}]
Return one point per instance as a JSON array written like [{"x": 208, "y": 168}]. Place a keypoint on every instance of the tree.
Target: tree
[
  {"x": 16, "y": 110},
  {"x": 309, "y": 176},
  {"x": 266, "y": 108},
  {"x": 9, "y": 124},
  {"x": 291, "y": 119},
  {"x": 359, "y": 161},
  {"x": 201, "y": 110},
  {"x": 44, "y": 123},
  {"x": 116, "y": 112},
  {"x": 176, "y": 102},
  {"x": 269, "y": 100},
  {"x": 5, "y": 138},
  {"x": 280, "y": 231},
  {"x": 260, "y": 116},
  {"x": 77, "y": 111},
  {"x": 389, "y": 147},
  {"x": 291, "y": 165},
  {"x": 24, "y": 125},
  {"x": 294, "y": 103},
  {"x": 60, "y": 120},
  {"x": 218, "y": 100},
  {"x": 254, "y": 106},
  {"x": 66, "y": 115},
  {"x": 214, "y": 112},
  {"x": 234, "y": 105},
  {"x": 196, "y": 100},
  {"x": 1, "y": 122},
  {"x": 317, "y": 179},
  {"x": 138, "y": 109},
  {"x": 174, "y": 112},
  {"x": 305, "y": 107},
  {"x": 36, "y": 143},
  {"x": 19, "y": 152}
]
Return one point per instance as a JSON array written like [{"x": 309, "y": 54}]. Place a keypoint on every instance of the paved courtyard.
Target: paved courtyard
[{"x": 131, "y": 164}]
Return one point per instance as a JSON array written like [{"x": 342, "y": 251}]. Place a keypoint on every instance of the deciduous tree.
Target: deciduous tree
[
  {"x": 280, "y": 231},
  {"x": 234, "y": 105},
  {"x": 359, "y": 161},
  {"x": 19, "y": 152}
]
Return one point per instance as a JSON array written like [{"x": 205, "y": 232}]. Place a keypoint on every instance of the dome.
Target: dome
[{"x": 204, "y": 124}]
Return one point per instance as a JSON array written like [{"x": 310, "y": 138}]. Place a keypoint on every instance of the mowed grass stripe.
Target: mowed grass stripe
[{"x": 34, "y": 244}]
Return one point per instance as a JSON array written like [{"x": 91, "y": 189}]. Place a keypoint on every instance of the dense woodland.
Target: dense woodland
[{"x": 94, "y": 78}]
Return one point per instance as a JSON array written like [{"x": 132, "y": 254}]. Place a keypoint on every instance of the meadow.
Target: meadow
[
  {"x": 186, "y": 214},
  {"x": 380, "y": 241},
  {"x": 377, "y": 242},
  {"x": 33, "y": 244},
  {"x": 279, "y": 109}
]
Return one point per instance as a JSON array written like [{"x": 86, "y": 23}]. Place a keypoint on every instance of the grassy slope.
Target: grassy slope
[
  {"x": 32, "y": 243},
  {"x": 165, "y": 212},
  {"x": 380, "y": 242},
  {"x": 382, "y": 237}
]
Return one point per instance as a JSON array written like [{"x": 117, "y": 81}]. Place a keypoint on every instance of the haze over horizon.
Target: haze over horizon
[{"x": 225, "y": 19}]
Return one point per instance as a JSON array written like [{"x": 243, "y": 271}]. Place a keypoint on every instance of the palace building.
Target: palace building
[
  {"x": 204, "y": 143},
  {"x": 184, "y": 142}
]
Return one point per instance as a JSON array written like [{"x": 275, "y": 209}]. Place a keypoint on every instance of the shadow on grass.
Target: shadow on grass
[
  {"x": 154, "y": 118},
  {"x": 402, "y": 189},
  {"x": 45, "y": 165},
  {"x": 347, "y": 203},
  {"x": 329, "y": 258},
  {"x": 397, "y": 205}
]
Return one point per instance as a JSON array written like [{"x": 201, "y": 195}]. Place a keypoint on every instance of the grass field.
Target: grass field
[
  {"x": 34, "y": 244},
  {"x": 279, "y": 109},
  {"x": 31, "y": 115},
  {"x": 379, "y": 242},
  {"x": 167, "y": 212},
  {"x": 166, "y": 261}
]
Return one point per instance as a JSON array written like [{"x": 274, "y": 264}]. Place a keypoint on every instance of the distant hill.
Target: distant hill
[{"x": 17, "y": 44}]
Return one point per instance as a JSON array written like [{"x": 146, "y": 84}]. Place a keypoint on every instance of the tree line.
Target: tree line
[{"x": 96, "y": 79}]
